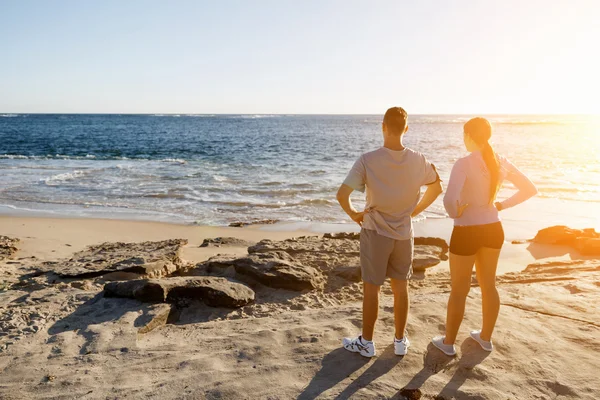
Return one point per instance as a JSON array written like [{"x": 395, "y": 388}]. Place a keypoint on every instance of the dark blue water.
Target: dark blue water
[{"x": 217, "y": 169}]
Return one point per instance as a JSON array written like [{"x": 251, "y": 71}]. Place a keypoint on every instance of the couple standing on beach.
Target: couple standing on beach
[{"x": 393, "y": 176}]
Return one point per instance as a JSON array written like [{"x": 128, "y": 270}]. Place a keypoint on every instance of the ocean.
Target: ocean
[{"x": 217, "y": 169}]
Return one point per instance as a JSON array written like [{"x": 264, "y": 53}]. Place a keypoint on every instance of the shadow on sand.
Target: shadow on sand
[
  {"x": 99, "y": 310},
  {"x": 472, "y": 355},
  {"x": 435, "y": 361},
  {"x": 340, "y": 364}
]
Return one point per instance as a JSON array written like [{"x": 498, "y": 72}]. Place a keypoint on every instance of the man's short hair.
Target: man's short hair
[{"x": 395, "y": 119}]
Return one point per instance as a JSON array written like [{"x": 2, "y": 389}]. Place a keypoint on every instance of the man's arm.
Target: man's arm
[
  {"x": 343, "y": 197},
  {"x": 432, "y": 193}
]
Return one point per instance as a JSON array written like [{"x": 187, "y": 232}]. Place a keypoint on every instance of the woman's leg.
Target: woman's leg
[
  {"x": 461, "y": 268},
  {"x": 485, "y": 267}
]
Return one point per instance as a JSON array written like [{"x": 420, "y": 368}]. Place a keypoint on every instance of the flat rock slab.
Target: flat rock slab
[
  {"x": 148, "y": 259},
  {"x": 339, "y": 249},
  {"x": 226, "y": 241},
  {"x": 272, "y": 270},
  {"x": 308, "y": 244},
  {"x": 213, "y": 291},
  {"x": 7, "y": 247}
]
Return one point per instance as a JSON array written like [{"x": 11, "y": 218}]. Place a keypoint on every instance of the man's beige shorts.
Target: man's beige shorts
[{"x": 381, "y": 256}]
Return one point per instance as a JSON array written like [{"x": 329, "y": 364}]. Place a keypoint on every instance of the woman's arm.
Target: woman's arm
[
  {"x": 525, "y": 188},
  {"x": 458, "y": 176}
]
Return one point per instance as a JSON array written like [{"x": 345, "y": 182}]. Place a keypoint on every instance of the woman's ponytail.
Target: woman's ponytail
[
  {"x": 489, "y": 156},
  {"x": 480, "y": 131}
]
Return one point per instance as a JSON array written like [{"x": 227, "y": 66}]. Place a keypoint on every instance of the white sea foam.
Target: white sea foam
[
  {"x": 61, "y": 178},
  {"x": 174, "y": 160}
]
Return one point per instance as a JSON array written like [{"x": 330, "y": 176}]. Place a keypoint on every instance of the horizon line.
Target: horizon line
[{"x": 289, "y": 114}]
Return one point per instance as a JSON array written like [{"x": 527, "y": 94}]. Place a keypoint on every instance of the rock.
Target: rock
[
  {"x": 588, "y": 246},
  {"x": 240, "y": 224},
  {"x": 213, "y": 291},
  {"x": 83, "y": 285},
  {"x": 351, "y": 274},
  {"x": 562, "y": 235},
  {"x": 333, "y": 252},
  {"x": 7, "y": 246},
  {"x": 225, "y": 241},
  {"x": 435, "y": 242},
  {"x": 308, "y": 244},
  {"x": 427, "y": 256},
  {"x": 148, "y": 259},
  {"x": 272, "y": 271},
  {"x": 155, "y": 316},
  {"x": 520, "y": 241},
  {"x": 411, "y": 394},
  {"x": 342, "y": 235}
]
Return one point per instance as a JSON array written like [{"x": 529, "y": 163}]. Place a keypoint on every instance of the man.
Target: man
[{"x": 393, "y": 176}]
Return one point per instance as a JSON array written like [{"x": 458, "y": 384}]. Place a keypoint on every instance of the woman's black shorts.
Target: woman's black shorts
[{"x": 467, "y": 240}]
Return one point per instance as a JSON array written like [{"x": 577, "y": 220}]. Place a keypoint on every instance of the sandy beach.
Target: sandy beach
[{"x": 62, "y": 338}]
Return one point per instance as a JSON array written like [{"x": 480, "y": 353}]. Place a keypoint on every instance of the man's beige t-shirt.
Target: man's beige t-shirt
[{"x": 393, "y": 181}]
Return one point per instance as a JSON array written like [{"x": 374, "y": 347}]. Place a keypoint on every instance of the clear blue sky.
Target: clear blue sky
[{"x": 309, "y": 56}]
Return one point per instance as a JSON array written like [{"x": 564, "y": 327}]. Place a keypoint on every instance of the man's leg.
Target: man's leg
[
  {"x": 370, "y": 309},
  {"x": 401, "y": 306}
]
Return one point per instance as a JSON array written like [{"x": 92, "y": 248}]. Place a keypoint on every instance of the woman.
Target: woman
[{"x": 478, "y": 235}]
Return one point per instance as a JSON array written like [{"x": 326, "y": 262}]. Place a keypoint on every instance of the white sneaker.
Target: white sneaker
[
  {"x": 487, "y": 346},
  {"x": 447, "y": 349},
  {"x": 401, "y": 346},
  {"x": 359, "y": 345}
]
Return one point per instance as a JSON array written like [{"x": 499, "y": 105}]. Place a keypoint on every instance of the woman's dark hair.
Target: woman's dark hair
[{"x": 480, "y": 131}]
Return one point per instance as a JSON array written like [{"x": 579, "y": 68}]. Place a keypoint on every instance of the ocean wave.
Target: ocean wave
[
  {"x": 173, "y": 160},
  {"x": 9, "y": 115},
  {"x": 64, "y": 177},
  {"x": 317, "y": 202},
  {"x": 251, "y": 116},
  {"x": 61, "y": 157},
  {"x": 88, "y": 157},
  {"x": 164, "y": 196}
]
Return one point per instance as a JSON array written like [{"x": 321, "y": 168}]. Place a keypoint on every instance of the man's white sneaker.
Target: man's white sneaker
[
  {"x": 401, "y": 346},
  {"x": 359, "y": 345},
  {"x": 487, "y": 346},
  {"x": 447, "y": 349}
]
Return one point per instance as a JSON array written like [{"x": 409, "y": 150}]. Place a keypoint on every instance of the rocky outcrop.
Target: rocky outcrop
[
  {"x": 271, "y": 269},
  {"x": 308, "y": 244},
  {"x": 7, "y": 247},
  {"x": 342, "y": 235},
  {"x": 586, "y": 241},
  {"x": 213, "y": 291},
  {"x": 352, "y": 274},
  {"x": 225, "y": 241},
  {"x": 563, "y": 235},
  {"x": 588, "y": 246},
  {"x": 147, "y": 259},
  {"x": 333, "y": 250}
]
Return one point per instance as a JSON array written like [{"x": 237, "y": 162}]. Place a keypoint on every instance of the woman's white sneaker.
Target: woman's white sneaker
[
  {"x": 487, "y": 346},
  {"x": 447, "y": 349},
  {"x": 401, "y": 346},
  {"x": 359, "y": 345}
]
